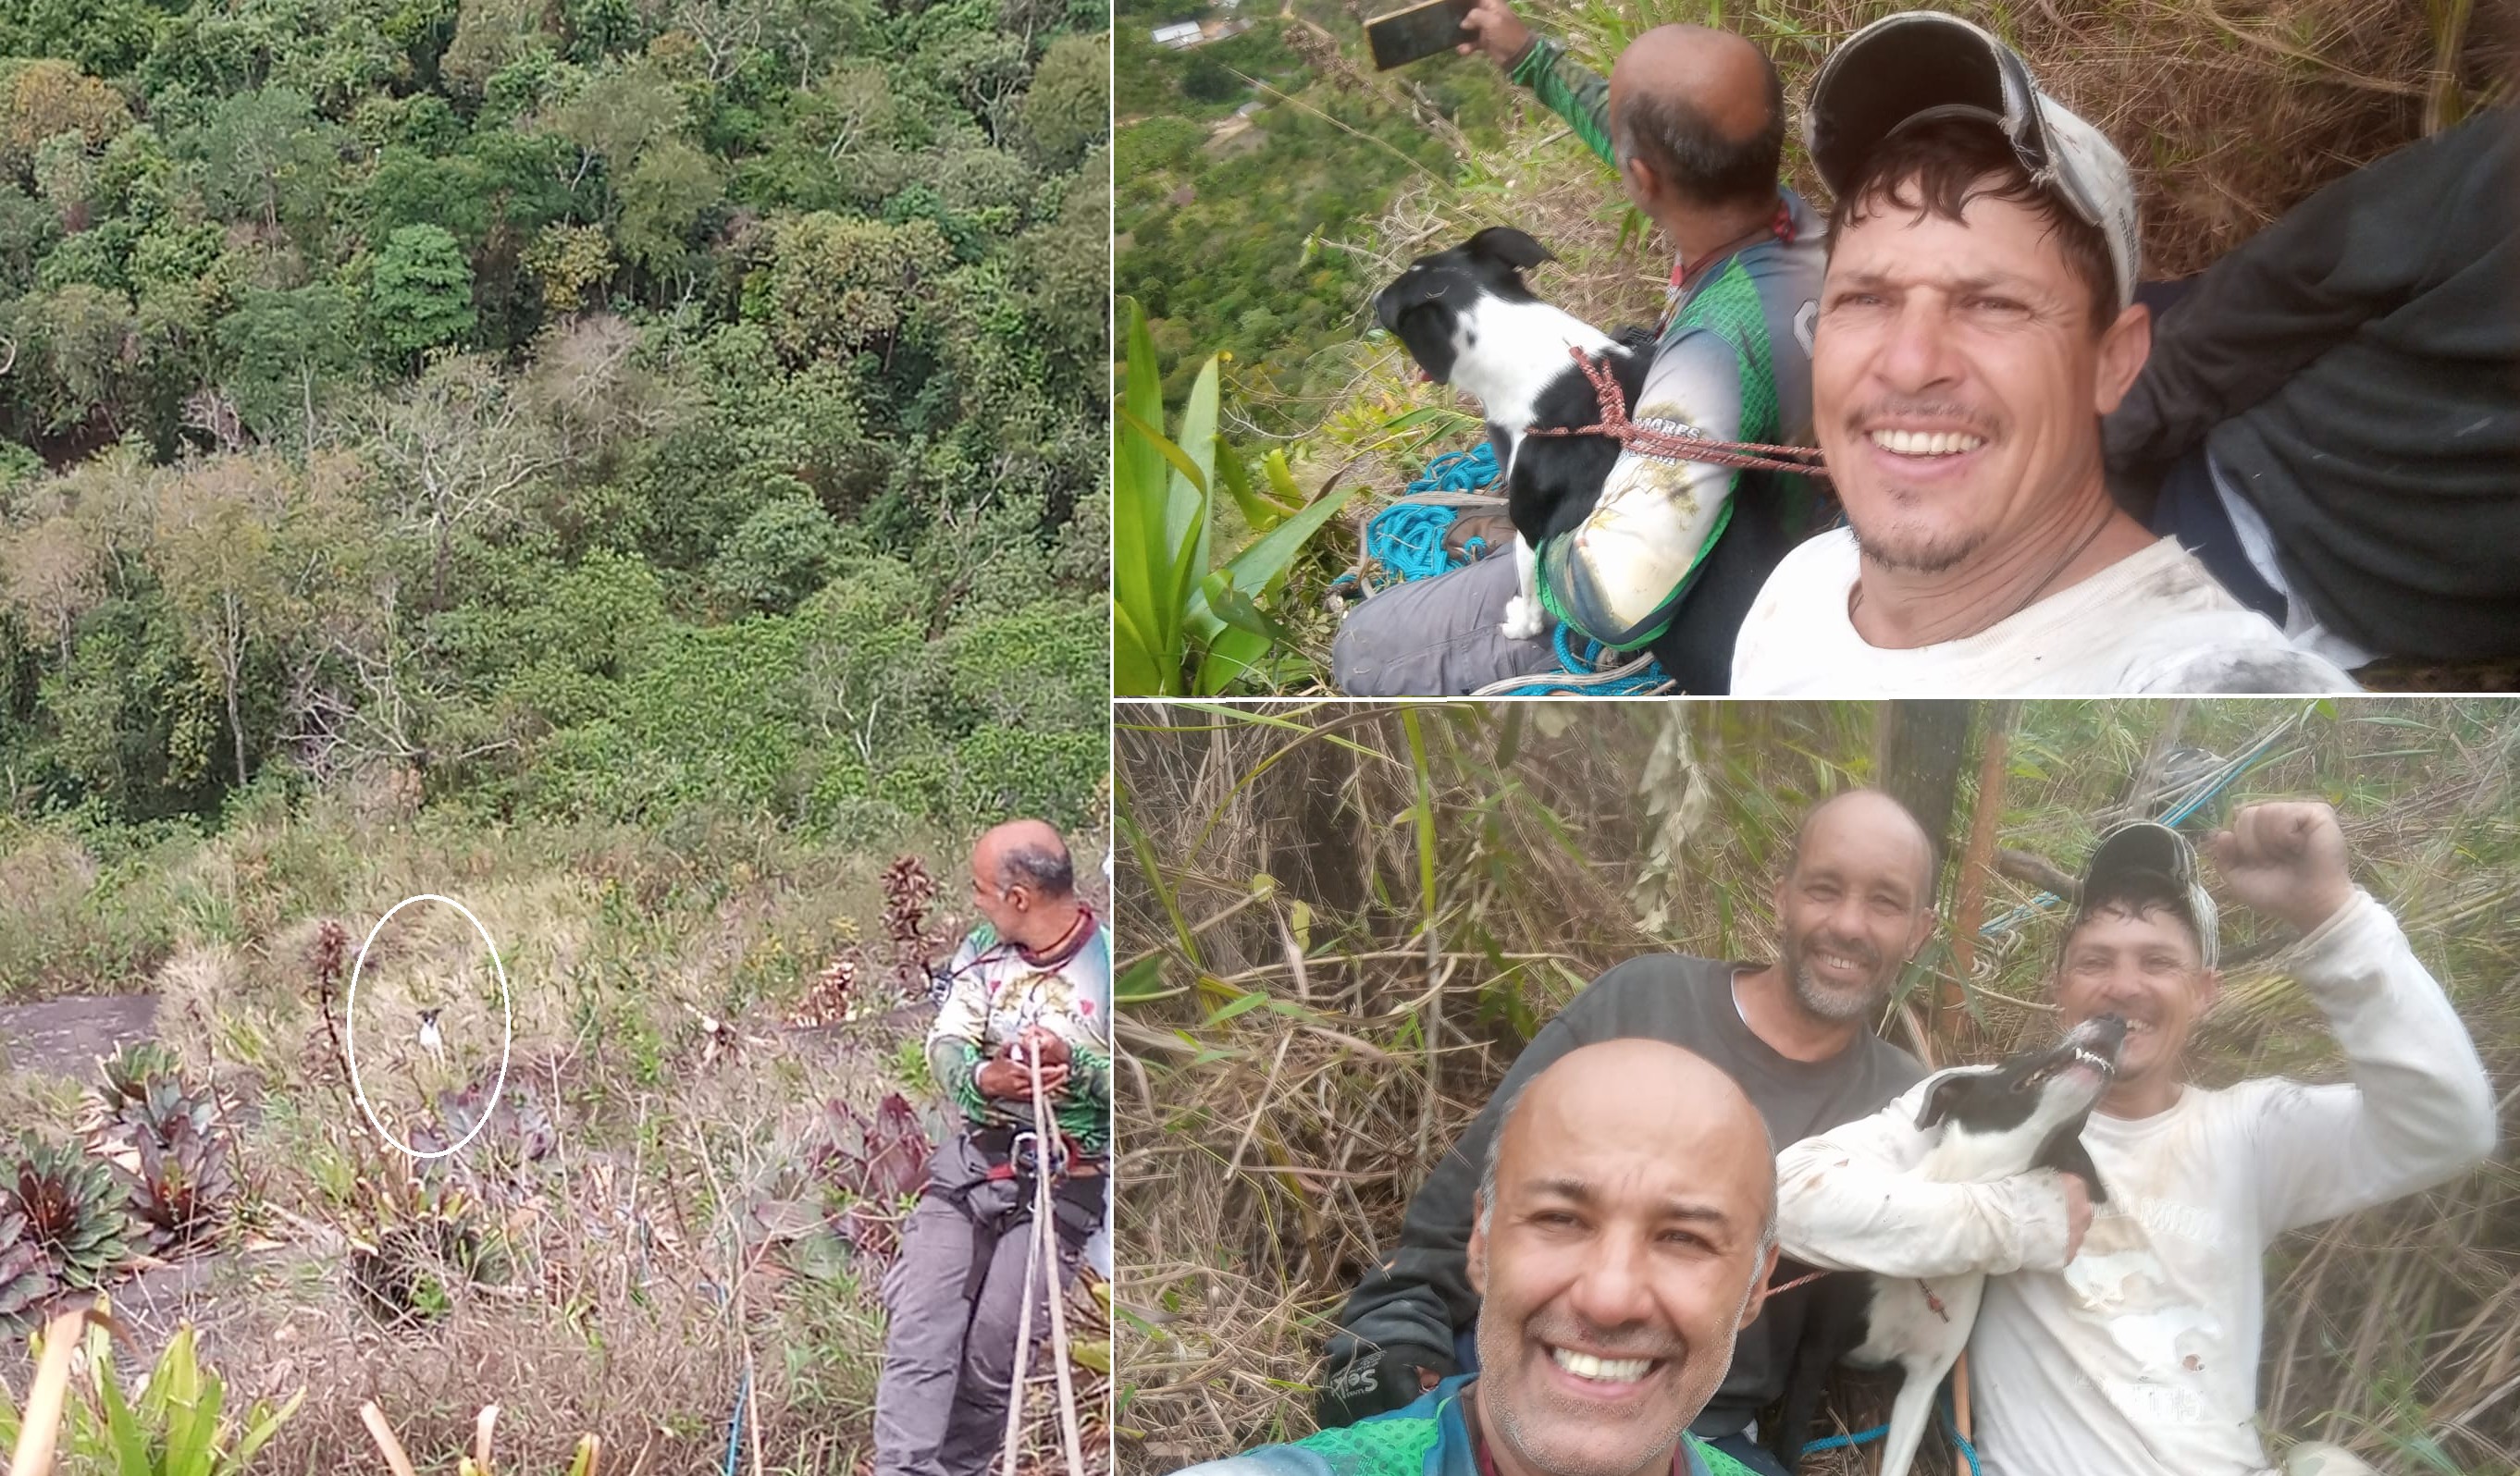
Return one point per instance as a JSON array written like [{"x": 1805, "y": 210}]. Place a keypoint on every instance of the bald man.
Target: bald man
[
  {"x": 1032, "y": 981},
  {"x": 1693, "y": 120},
  {"x": 1854, "y": 903},
  {"x": 1626, "y": 1227}
]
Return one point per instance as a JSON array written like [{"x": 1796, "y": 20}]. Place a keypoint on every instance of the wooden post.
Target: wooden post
[{"x": 1969, "y": 909}]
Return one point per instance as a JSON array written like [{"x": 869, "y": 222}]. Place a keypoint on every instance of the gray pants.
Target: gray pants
[
  {"x": 1437, "y": 638},
  {"x": 949, "y": 1347}
]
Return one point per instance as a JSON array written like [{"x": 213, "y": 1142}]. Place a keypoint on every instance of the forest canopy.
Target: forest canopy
[{"x": 555, "y": 407}]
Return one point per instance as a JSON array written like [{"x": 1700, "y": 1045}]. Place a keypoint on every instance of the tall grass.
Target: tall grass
[{"x": 1348, "y": 918}]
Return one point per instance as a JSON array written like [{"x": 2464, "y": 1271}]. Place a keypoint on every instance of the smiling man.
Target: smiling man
[
  {"x": 2128, "y": 1340},
  {"x": 1976, "y": 320},
  {"x": 1854, "y": 901},
  {"x": 1625, "y": 1232}
]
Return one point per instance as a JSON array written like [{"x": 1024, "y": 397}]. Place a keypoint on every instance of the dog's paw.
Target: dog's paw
[{"x": 1522, "y": 619}]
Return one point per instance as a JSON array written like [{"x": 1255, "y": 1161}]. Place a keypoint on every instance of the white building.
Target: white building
[{"x": 1178, "y": 36}]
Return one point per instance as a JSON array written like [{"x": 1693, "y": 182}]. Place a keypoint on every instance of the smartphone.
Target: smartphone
[{"x": 1417, "y": 31}]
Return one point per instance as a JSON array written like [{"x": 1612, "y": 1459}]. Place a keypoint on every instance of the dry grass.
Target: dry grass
[
  {"x": 1268, "y": 1151},
  {"x": 656, "y": 1246}
]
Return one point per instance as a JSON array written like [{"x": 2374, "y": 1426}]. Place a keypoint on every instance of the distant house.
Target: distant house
[{"x": 1177, "y": 36}]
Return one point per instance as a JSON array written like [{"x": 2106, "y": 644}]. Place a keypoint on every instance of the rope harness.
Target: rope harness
[
  {"x": 1650, "y": 440},
  {"x": 1042, "y": 1262}
]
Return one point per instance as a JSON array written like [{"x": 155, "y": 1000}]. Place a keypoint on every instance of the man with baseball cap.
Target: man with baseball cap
[
  {"x": 2125, "y": 1339},
  {"x": 1976, "y": 321}
]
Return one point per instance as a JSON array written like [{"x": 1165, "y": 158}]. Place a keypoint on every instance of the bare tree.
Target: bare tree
[{"x": 459, "y": 446}]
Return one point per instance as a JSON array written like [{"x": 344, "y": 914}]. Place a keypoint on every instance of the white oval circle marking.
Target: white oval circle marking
[{"x": 350, "y": 1028}]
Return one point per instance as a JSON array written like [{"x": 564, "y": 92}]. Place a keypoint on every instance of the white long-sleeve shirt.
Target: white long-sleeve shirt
[{"x": 2140, "y": 1355}]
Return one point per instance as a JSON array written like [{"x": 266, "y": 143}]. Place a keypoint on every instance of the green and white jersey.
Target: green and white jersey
[
  {"x": 994, "y": 993},
  {"x": 1733, "y": 364},
  {"x": 1429, "y": 1438}
]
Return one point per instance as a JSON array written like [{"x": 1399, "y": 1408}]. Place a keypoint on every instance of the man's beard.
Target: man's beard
[
  {"x": 1499, "y": 1344},
  {"x": 1924, "y": 554},
  {"x": 1829, "y": 1002}
]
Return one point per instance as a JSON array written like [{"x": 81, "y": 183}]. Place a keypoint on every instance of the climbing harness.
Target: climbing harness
[{"x": 1042, "y": 1261}]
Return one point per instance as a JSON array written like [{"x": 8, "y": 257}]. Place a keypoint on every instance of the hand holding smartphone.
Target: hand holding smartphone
[{"x": 1418, "y": 31}]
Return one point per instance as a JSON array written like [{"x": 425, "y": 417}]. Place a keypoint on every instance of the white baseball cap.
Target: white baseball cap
[
  {"x": 1922, "y": 64},
  {"x": 2148, "y": 846}
]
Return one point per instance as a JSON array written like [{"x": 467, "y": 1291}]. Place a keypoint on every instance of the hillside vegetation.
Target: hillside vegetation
[{"x": 584, "y": 409}]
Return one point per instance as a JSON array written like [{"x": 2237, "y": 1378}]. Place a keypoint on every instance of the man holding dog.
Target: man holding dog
[
  {"x": 1854, "y": 903},
  {"x": 1623, "y": 1236},
  {"x": 1693, "y": 120},
  {"x": 1977, "y": 320},
  {"x": 2131, "y": 1346}
]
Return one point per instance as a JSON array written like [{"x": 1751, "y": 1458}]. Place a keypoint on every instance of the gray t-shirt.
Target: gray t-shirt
[{"x": 1418, "y": 1296}]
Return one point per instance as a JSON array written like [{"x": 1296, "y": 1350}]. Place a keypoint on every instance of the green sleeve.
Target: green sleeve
[
  {"x": 955, "y": 1063},
  {"x": 1085, "y": 1114},
  {"x": 1572, "y": 90}
]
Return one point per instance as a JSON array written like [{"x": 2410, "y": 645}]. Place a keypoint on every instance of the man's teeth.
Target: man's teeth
[
  {"x": 1926, "y": 442},
  {"x": 1608, "y": 1370}
]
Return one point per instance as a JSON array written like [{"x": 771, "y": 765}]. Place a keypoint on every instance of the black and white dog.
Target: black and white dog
[
  {"x": 1997, "y": 1121},
  {"x": 1467, "y": 319}
]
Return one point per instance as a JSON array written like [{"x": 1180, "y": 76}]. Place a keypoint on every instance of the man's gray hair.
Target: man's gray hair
[
  {"x": 1044, "y": 868},
  {"x": 1495, "y": 1140}
]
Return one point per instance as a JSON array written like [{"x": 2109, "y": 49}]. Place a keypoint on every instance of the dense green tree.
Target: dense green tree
[
  {"x": 1068, "y": 109},
  {"x": 265, "y": 155},
  {"x": 420, "y": 290}
]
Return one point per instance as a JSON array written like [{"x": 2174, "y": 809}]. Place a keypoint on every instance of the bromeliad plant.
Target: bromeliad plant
[
  {"x": 184, "y": 1186},
  {"x": 72, "y": 1206},
  {"x": 172, "y": 1149},
  {"x": 415, "y": 1242},
  {"x": 1180, "y": 625},
  {"x": 26, "y": 1271}
]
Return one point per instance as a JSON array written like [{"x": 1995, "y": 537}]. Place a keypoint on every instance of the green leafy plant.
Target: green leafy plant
[
  {"x": 1179, "y": 623},
  {"x": 413, "y": 1240},
  {"x": 72, "y": 1207},
  {"x": 130, "y": 1072},
  {"x": 177, "y": 1426},
  {"x": 185, "y": 1185},
  {"x": 25, "y": 1272}
]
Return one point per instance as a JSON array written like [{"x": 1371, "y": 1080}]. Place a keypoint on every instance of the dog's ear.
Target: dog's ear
[
  {"x": 2064, "y": 1151},
  {"x": 1516, "y": 248},
  {"x": 1945, "y": 1090}
]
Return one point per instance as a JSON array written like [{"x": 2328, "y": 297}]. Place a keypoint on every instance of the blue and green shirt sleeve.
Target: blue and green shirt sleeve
[{"x": 1571, "y": 90}]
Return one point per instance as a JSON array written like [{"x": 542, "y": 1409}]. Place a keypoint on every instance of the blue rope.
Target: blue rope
[
  {"x": 1951, "y": 1427},
  {"x": 1834, "y": 1442},
  {"x": 1459, "y": 470},
  {"x": 1405, "y": 541},
  {"x": 1407, "y": 538},
  {"x": 2171, "y": 817},
  {"x": 734, "y": 1421},
  {"x": 1595, "y": 658}
]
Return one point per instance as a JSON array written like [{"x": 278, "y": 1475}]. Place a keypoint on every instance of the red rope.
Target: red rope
[{"x": 1670, "y": 446}]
